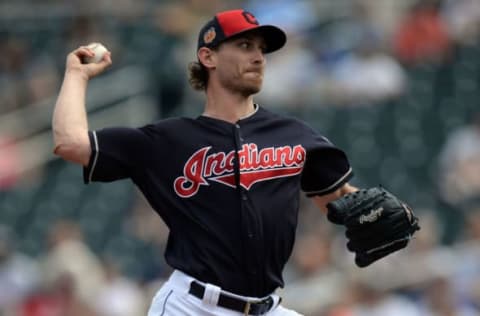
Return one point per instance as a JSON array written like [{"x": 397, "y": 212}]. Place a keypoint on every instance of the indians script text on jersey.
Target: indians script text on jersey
[{"x": 255, "y": 165}]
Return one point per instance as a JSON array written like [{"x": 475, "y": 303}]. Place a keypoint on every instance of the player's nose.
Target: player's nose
[{"x": 259, "y": 56}]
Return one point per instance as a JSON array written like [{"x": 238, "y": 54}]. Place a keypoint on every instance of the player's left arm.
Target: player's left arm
[
  {"x": 321, "y": 201},
  {"x": 377, "y": 222}
]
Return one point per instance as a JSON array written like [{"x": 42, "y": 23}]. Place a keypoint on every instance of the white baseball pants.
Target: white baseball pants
[{"x": 173, "y": 299}]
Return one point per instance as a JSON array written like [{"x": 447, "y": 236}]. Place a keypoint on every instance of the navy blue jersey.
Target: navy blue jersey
[{"x": 229, "y": 193}]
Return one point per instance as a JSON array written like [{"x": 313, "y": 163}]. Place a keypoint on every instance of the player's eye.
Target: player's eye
[
  {"x": 245, "y": 44},
  {"x": 249, "y": 45}
]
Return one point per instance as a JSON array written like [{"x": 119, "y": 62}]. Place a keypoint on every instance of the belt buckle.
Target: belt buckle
[{"x": 247, "y": 308}]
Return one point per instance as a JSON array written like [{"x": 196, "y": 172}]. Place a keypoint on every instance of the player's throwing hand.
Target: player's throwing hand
[{"x": 75, "y": 62}]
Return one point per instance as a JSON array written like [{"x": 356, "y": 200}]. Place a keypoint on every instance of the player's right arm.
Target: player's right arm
[{"x": 69, "y": 123}]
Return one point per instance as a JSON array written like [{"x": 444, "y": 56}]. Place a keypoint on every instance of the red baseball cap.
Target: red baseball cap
[{"x": 227, "y": 24}]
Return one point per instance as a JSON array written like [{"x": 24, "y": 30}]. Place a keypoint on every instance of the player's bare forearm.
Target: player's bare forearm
[
  {"x": 322, "y": 201},
  {"x": 69, "y": 123}
]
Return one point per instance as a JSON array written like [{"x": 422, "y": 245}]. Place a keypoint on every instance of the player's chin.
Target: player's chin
[
  {"x": 251, "y": 89},
  {"x": 254, "y": 85}
]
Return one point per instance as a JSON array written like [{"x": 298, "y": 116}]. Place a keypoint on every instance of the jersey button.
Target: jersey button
[
  {"x": 237, "y": 126},
  {"x": 244, "y": 197}
]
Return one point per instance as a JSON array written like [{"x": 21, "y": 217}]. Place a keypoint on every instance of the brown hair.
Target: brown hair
[
  {"x": 197, "y": 76},
  {"x": 198, "y": 73}
]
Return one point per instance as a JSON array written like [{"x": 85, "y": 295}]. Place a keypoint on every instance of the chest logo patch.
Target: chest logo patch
[{"x": 255, "y": 166}]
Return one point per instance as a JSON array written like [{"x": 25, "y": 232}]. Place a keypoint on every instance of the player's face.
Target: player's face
[{"x": 241, "y": 64}]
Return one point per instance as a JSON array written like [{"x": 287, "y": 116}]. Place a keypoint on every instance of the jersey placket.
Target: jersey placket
[{"x": 251, "y": 222}]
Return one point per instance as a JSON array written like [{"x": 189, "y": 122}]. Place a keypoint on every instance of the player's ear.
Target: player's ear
[{"x": 206, "y": 56}]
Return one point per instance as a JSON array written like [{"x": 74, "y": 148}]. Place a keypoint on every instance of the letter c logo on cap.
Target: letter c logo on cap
[{"x": 250, "y": 18}]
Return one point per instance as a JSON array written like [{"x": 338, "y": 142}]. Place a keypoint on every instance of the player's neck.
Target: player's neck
[{"x": 228, "y": 107}]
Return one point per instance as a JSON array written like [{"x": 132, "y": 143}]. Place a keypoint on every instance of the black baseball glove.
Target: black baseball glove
[{"x": 377, "y": 223}]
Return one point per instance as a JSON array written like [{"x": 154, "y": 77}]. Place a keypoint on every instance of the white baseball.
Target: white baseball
[{"x": 99, "y": 50}]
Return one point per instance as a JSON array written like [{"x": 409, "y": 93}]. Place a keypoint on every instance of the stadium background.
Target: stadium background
[{"x": 394, "y": 83}]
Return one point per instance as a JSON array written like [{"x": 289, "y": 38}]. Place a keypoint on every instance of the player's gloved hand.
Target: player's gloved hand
[{"x": 377, "y": 223}]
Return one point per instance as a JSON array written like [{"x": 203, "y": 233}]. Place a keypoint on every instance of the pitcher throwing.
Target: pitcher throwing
[{"x": 227, "y": 183}]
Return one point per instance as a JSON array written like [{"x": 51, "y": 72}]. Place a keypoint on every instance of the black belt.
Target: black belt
[{"x": 236, "y": 304}]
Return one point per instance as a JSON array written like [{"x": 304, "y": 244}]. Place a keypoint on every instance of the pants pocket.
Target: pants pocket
[{"x": 160, "y": 303}]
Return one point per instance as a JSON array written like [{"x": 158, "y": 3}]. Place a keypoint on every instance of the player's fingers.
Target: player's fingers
[
  {"x": 107, "y": 59},
  {"x": 104, "y": 63},
  {"x": 93, "y": 69},
  {"x": 75, "y": 57},
  {"x": 83, "y": 51}
]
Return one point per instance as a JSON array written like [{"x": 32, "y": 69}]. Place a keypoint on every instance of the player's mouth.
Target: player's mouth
[{"x": 254, "y": 73}]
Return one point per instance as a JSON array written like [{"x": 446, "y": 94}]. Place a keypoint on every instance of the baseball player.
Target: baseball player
[{"x": 227, "y": 183}]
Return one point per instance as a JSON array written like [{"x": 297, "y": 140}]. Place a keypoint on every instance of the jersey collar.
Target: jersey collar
[
  {"x": 249, "y": 115},
  {"x": 255, "y": 109}
]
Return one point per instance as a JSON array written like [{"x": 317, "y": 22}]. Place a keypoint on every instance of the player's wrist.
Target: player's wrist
[{"x": 77, "y": 73}]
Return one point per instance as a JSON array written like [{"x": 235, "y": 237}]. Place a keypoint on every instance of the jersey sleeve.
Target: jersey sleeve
[
  {"x": 117, "y": 153},
  {"x": 326, "y": 168}
]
